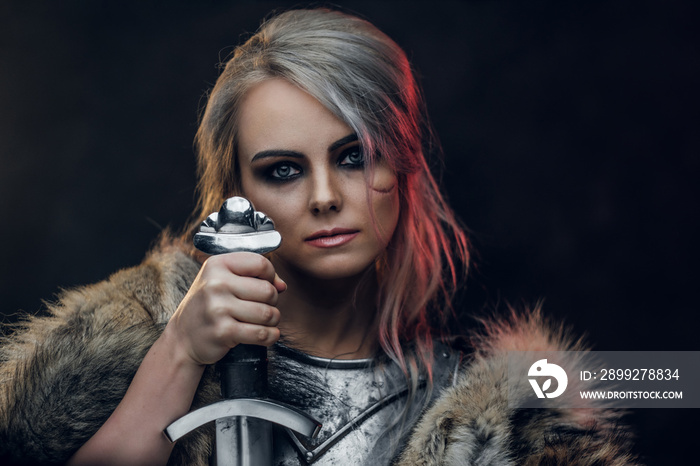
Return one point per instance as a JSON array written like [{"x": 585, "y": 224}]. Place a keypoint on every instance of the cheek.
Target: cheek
[
  {"x": 386, "y": 207},
  {"x": 277, "y": 207},
  {"x": 280, "y": 206},
  {"x": 258, "y": 197}
]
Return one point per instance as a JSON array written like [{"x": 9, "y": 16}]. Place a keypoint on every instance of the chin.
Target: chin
[
  {"x": 336, "y": 274},
  {"x": 333, "y": 268}
]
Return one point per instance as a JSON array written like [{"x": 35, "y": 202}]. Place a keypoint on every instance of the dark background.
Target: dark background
[{"x": 570, "y": 131}]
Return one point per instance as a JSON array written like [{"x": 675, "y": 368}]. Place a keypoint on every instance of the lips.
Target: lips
[{"x": 332, "y": 238}]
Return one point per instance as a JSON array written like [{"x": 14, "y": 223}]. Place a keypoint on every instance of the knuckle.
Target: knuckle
[
  {"x": 269, "y": 292},
  {"x": 214, "y": 285},
  {"x": 216, "y": 308},
  {"x": 212, "y": 263},
  {"x": 262, "y": 265},
  {"x": 266, "y": 314},
  {"x": 262, "y": 335},
  {"x": 261, "y": 261},
  {"x": 210, "y": 304},
  {"x": 219, "y": 313},
  {"x": 275, "y": 316},
  {"x": 269, "y": 268},
  {"x": 270, "y": 315}
]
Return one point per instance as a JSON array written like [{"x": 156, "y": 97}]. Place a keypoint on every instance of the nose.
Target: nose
[{"x": 325, "y": 193}]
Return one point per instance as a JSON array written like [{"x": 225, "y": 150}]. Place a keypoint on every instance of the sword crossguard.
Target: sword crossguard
[{"x": 271, "y": 411}]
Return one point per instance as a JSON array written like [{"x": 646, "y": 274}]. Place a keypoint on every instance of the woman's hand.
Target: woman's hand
[{"x": 232, "y": 300}]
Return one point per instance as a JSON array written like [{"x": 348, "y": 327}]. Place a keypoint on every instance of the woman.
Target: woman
[{"x": 318, "y": 121}]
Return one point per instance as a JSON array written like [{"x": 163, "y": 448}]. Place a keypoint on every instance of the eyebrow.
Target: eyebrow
[
  {"x": 298, "y": 155},
  {"x": 276, "y": 153},
  {"x": 342, "y": 141}
]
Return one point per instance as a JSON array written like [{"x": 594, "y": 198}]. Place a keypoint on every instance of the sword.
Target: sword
[{"x": 243, "y": 419}]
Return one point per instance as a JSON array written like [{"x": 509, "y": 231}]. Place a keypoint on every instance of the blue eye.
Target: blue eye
[
  {"x": 352, "y": 157},
  {"x": 283, "y": 171}
]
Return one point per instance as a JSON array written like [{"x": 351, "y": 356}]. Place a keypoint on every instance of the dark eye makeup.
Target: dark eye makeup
[
  {"x": 350, "y": 158},
  {"x": 282, "y": 171}
]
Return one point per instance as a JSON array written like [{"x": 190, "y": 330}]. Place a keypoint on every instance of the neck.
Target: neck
[{"x": 329, "y": 318}]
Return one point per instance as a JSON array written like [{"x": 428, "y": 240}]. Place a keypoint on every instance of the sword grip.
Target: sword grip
[{"x": 243, "y": 372}]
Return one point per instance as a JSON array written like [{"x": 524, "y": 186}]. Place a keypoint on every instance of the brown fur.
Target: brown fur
[
  {"x": 62, "y": 375},
  {"x": 471, "y": 423}
]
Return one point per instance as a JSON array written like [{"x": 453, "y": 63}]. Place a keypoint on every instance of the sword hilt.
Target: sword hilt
[
  {"x": 244, "y": 362},
  {"x": 243, "y": 430}
]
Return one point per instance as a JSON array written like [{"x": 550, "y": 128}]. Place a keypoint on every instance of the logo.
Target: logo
[{"x": 542, "y": 368}]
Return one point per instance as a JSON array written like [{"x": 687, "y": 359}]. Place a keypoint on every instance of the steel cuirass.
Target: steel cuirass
[{"x": 360, "y": 404}]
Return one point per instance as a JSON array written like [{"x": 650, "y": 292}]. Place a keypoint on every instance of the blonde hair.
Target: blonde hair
[{"x": 365, "y": 79}]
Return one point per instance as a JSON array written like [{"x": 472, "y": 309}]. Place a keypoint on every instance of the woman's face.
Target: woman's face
[{"x": 303, "y": 167}]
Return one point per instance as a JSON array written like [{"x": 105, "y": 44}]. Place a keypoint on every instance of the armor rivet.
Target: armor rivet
[{"x": 309, "y": 455}]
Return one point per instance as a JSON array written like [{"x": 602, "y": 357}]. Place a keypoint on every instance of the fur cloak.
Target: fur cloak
[{"x": 62, "y": 375}]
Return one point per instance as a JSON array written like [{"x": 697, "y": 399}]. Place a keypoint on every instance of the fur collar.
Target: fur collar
[
  {"x": 471, "y": 423},
  {"x": 63, "y": 374}
]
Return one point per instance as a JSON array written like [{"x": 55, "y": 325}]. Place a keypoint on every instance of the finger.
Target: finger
[
  {"x": 256, "y": 313},
  {"x": 248, "y": 264},
  {"x": 251, "y": 334},
  {"x": 253, "y": 289}
]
